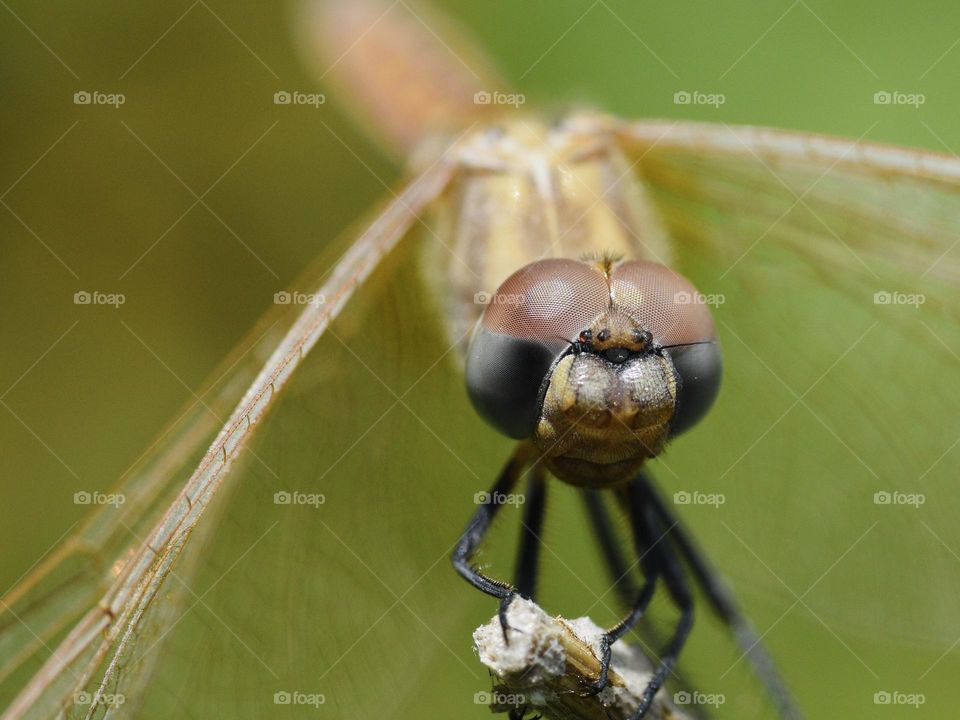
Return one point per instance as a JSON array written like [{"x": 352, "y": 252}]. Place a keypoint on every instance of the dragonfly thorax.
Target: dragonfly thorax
[{"x": 530, "y": 145}]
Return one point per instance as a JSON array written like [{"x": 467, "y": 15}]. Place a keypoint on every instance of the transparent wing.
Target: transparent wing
[
  {"x": 84, "y": 607},
  {"x": 833, "y": 266},
  {"x": 69, "y": 582}
]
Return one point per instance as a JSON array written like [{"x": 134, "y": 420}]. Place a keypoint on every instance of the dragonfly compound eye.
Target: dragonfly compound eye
[
  {"x": 676, "y": 319},
  {"x": 528, "y": 325}
]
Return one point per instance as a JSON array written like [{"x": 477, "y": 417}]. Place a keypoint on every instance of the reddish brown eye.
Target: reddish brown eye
[
  {"x": 662, "y": 301},
  {"x": 679, "y": 319},
  {"x": 539, "y": 310},
  {"x": 548, "y": 299}
]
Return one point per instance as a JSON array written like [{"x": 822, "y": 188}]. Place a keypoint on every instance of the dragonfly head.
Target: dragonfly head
[{"x": 599, "y": 362}]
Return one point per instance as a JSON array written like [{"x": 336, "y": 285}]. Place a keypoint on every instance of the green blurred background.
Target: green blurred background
[{"x": 97, "y": 198}]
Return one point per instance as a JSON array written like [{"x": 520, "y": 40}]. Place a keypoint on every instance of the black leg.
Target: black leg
[
  {"x": 643, "y": 541},
  {"x": 529, "y": 553},
  {"x": 602, "y": 524},
  {"x": 674, "y": 578},
  {"x": 723, "y": 604},
  {"x": 618, "y": 631},
  {"x": 621, "y": 574},
  {"x": 477, "y": 527}
]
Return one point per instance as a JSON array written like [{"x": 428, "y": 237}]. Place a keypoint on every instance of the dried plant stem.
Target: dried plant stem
[{"x": 549, "y": 663}]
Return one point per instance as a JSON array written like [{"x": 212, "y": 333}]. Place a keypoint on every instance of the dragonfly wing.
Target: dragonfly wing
[
  {"x": 59, "y": 591},
  {"x": 833, "y": 267},
  {"x": 107, "y": 577},
  {"x": 327, "y": 579}
]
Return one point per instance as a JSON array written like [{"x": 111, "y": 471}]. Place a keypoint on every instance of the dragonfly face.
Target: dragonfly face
[{"x": 598, "y": 362}]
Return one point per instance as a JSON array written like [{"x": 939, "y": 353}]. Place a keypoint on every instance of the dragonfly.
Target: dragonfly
[{"x": 837, "y": 263}]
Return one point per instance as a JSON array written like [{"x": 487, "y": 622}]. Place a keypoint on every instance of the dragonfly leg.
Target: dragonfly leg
[
  {"x": 528, "y": 556},
  {"x": 674, "y": 577},
  {"x": 489, "y": 505},
  {"x": 643, "y": 541},
  {"x": 723, "y": 604},
  {"x": 602, "y": 524}
]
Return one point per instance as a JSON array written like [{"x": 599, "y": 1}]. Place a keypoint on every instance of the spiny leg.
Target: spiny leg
[
  {"x": 643, "y": 541},
  {"x": 477, "y": 527},
  {"x": 643, "y": 512},
  {"x": 528, "y": 556},
  {"x": 723, "y": 603},
  {"x": 602, "y": 524}
]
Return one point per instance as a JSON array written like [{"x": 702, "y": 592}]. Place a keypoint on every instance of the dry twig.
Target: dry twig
[{"x": 549, "y": 662}]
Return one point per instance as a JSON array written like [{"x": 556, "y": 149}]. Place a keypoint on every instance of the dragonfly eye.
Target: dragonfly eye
[
  {"x": 699, "y": 368},
  {"x": 516, "y": 344},
  {"x": 672, "y": 315}
]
